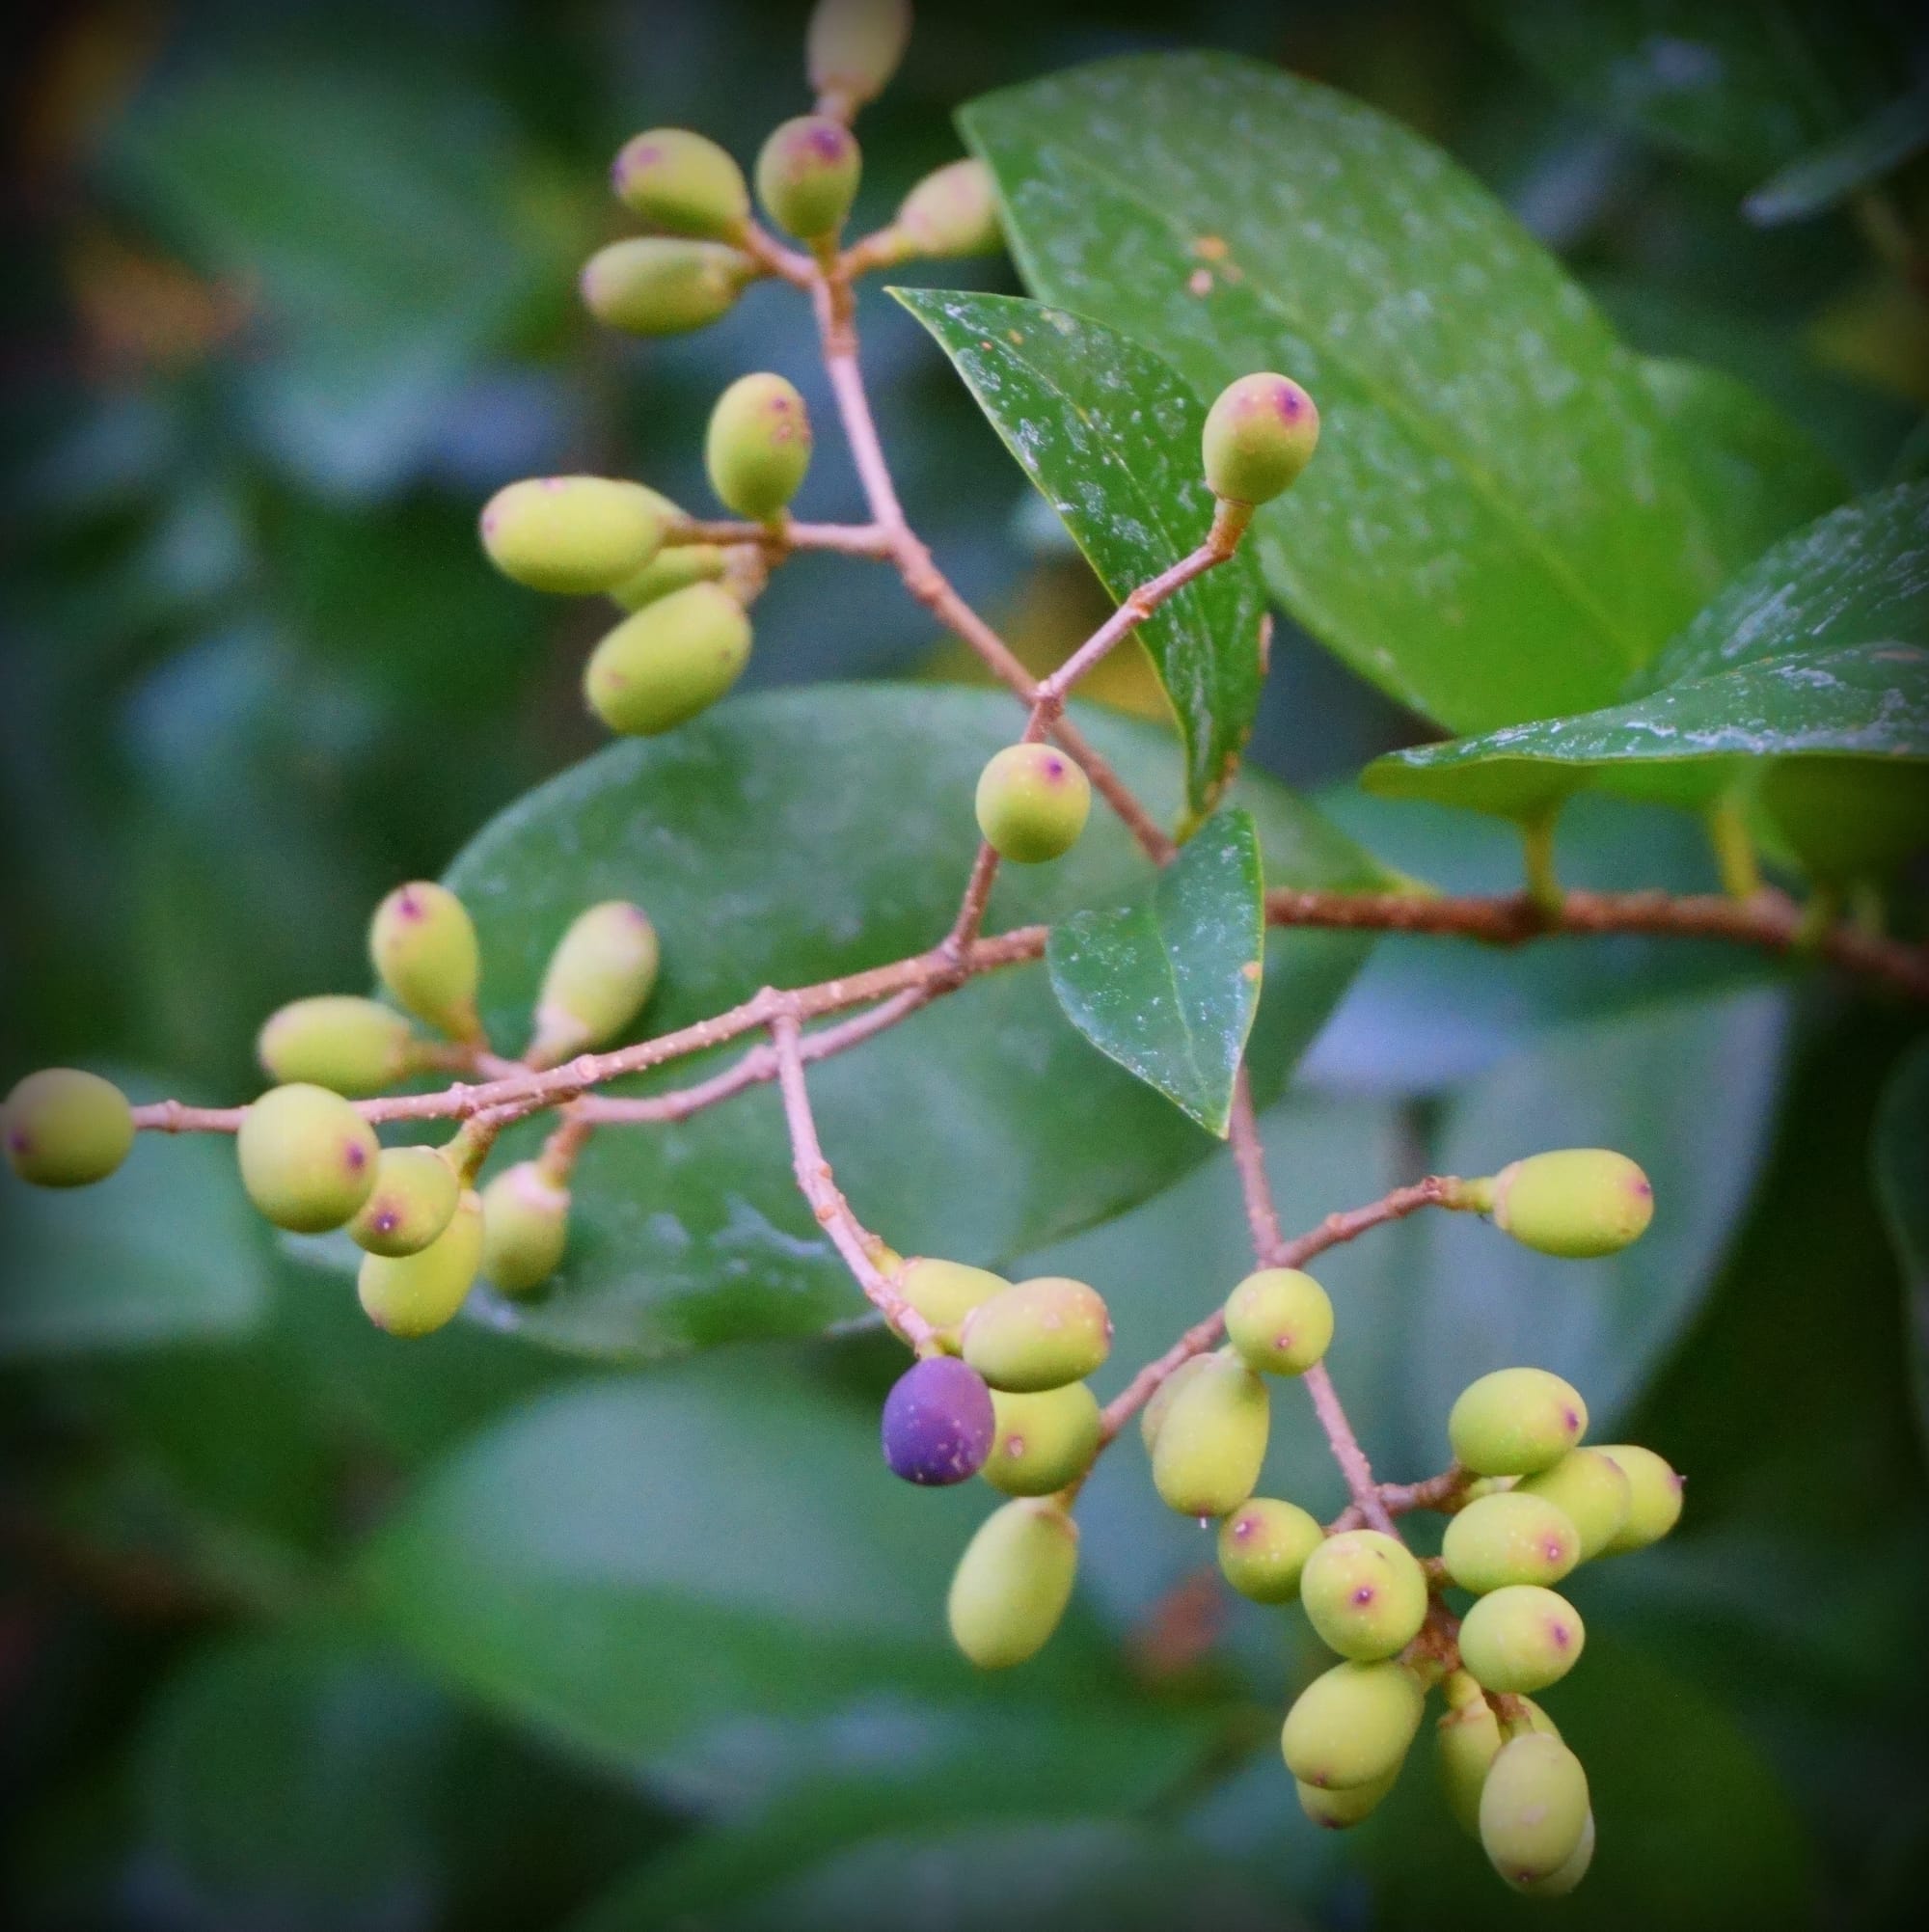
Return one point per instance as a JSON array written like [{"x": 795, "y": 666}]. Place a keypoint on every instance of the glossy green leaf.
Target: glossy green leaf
[
  {"x": 1756, "y": 474},
  {"x": 1828, "y": 176},
  {"x": 1746, "y": 86},
  {"x": 1168, "y": 987},
  {"x": 631, "y": 1565},
  {"x": 753, "y": 839},
  {"x": 1856, "y": 575},
  {"x": 1902, "y": 1186},
  {"x": 1687, "y": 742},
  {"x": 1499, "y": 524},
  {"x": 1109, "y": 435},
  {"x": 165, "y": 1250}
]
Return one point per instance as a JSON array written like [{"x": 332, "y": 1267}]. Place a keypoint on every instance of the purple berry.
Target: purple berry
[{"x": 938, "y": 1422}]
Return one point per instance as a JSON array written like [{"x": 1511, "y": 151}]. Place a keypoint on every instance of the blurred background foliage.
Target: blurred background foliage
[{"x": 301, "y": 1628}]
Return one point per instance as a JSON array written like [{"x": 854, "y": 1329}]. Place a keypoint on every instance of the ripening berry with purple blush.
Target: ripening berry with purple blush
[
  {"x": 1260, "y": 434},
  {"x": 938, "y": 1423}
]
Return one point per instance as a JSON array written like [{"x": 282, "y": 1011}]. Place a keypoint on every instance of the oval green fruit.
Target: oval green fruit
[
  {"x": 1579, "y": 1203},
  {"x": 66, "y": 1127},
  {"x": 335, "y": 1040},
  {"x": 952, "y": 212},
  {"x": 422, "y": 942},
  {"x": 1353, "y": 1726},
  {"x": 1037, "y": 1334},
  {"x": 1592, "y": 1489},
  {"x": 525, "y": 1228},
  {"x": 1212, "y": 1440},
  {"x": 1559, "y": 1884},
  {"x": 1533, "y": 1808},
  {"x": 1468, "y": 1737},
  {"x": 412, "y": 1202},
  {"x": 944, "y": 1293},
  {"x": 572, "y": 534},
  {"x": 1013, "y": 1583},
  {"x": 1263, "y": 1545},
  {"x": 1260, "y": 434},
  {"x": 417, "y": 1293},
  {"x": 1516, "y": 1422},
  {"x": 758, "y": 446},
  {"x": 674, "y": 659},
  {"x": 1655, "y": 1496},
  {"x": 807, "y": 175},
  {"x": 1032, "y": 802},
  {"x": 1521, "y": 1638},
  {"x": 1340, "y": 1810},
  {"x": 853, "y": 47},
  {"x": 662, "y": 285},
  {"x": 1279, "y": 1321},
  {"x": 1365, "y": 1594},
  {"x": 1042, "y": 1441},
  {"x": 683, "y": 183},
  {"x": 308, "y": 1158},
  {"x": 598, "y": 979},
  {"x": 1510, "y": 1538}
]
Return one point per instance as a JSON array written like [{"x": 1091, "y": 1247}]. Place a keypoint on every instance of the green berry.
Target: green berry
[
  {"x": 1655, "y": 1495},
  {"x": 944, "y": 1293},
  {"x": 1353, "y": 1726},
  {"x": 1533, "y": 1808},
  {"x": 1511, "y": 1537},
  {"x": 1259, "y": 435},
  {"x": 1212, "y": 1439},
  {"x": 1579, "y": 1203},
  {"x": 1521, "y": 1638},
  {"x": 663, "y": 286},
  {"x": 423, "y": 947},
  {"x": 674, "y": 658},
  {"x": 952, "y": 212},
  {"x": 1044, "y": 1441},
  {"x": 1039, "y": 1334},
  {"x": 337, "y": 1040},
  {"x": 1468, "y": 1740},
  {"x": 417, "y": 1293},
  {"x": 1013, "y": 1583},
  {"x": 683, "y": 183},
  {"x": 1559, "y": 1884},
  {"x": 1592, "y": 1489},
  {"x": 412, "y": 1202},
  {"x": 1365, "y": 1594},
  {"x": 66, "y": 1128},
  {"x": 307, "y": 1159},
  {"x": 807, "y": 176},
  {"x": 1152, "y": 1418},
  {"x": 1033, "y": 802},
  {"x": 1340, "y": 1810},
  {"x": 525, "y": 1228},
  {"x": 1516, "y": 1422},
  {"x": 1263, "y": 1545},
  {"x": 757, "y": 447},
  {"x": 1279, "y": 1321},
  {"x": 853, "y": 47},
  {"x": 572, "y": 534},
  {"x": 597, "y": 980}
]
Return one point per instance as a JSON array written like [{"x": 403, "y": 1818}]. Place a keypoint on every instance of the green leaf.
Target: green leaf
[
  {"x": 1689, "y": 743},
  {"x": 1744, "y": 87},
  {"x": 800, "y": 835},
  {"x": 1109, "y": 435},
  {"x": 1902, "y": 1186},
  {"x": 166, "y": 1250},
  {"x": 1858, "y": 574},
  {"x": 1168, "y": 986},
  {"x": 1828, "y": 176},
  {"x": 1499, "y": 524},
  {"x": 630, "y": 1565},
  {"x": 1756, "y": 474}
]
